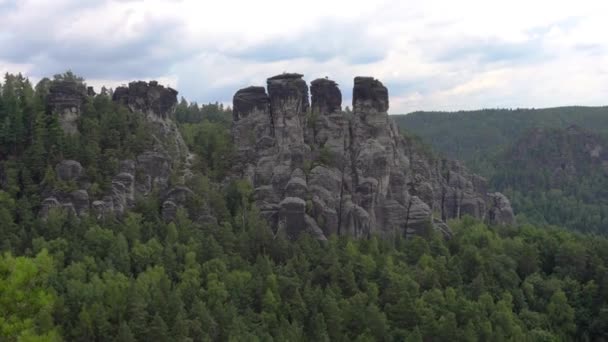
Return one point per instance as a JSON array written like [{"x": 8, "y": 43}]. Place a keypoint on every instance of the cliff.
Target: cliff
[
  {"x": 317, "y": 169},
  {"x": 149, "y": 172}
]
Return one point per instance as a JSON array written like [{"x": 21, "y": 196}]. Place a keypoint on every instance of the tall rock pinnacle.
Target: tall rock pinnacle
[
  {"x": 318, "y": 170},
  {"x": 369, "y": 92},
  {"x": 326, "y": 96}
]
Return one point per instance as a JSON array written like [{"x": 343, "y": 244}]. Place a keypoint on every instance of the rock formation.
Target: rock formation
[
  {"x": 65, "y": 99},
  {"x": 148, "y": 172},
  {"x": 76, "y": 202},
  {"x": 319, "y": 170},
  {"x": 157, "y": 104},
  {"x": 314, "y": 168}
]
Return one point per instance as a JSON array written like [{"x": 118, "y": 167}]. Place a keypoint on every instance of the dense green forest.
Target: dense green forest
[
  {"x": 539, "y": 158},
  {"x": 143, "y": 279},
  {"x": 556, "y": 177},
  {"x": 476, "y": 136}
]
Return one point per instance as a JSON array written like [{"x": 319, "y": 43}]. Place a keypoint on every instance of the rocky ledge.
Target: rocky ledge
[{"x": 319, "y": 170}]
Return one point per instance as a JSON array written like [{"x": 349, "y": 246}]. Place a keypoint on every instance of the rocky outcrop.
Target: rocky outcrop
[
  {"x": 150, "y": 172},
  {"x": 71, "y": 175},
  {"x": 326, "y": 97},
  {"x": 69, "y": 170},
  {"x": 65, "y": 99},
  {"x": 174, "y": 199},
  {"x": 157, "y": 103},
  {"x": 317, "y": 169},
  {"x": 500, "y": 211},
  {"x": 149, "y": 98}
]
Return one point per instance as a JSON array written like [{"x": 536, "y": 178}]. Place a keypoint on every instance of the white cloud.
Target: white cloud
[{"x": 433, "y": 55}]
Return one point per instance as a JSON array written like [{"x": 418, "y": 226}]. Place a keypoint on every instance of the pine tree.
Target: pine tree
[
  {"x": 119, "y": 254},
  {"x": 124, "y": 333},
  {"x": 158, "y": 331}
]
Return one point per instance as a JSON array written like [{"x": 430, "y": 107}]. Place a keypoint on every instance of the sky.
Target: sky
[{"x": 431, "y": 54}]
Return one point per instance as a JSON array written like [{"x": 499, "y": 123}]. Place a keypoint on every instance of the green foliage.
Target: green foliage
[
  {"x": 475, "y": 136},
  {"x": 241, "y": 283},
  {"x": 141, "y": 279},
  {"x": 32, "y": 137},
  {"x": 502, "y": 146},
  {"x": 26, "y": 299},
  {"x": 192, "y": 113},
  {"x": 325, "y": 157},
  {"x": 212, "y": 144}
]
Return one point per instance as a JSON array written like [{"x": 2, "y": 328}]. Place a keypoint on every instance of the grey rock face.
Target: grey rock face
[
  {"x": 154, "y": 170},
  {"x": 288, "y": 104},
  {"x": 80, "y": 201},
  {"x": 149, "y": 98},
  {"x": 69, "y": 170},
  {"x": 157, "y": 104},
  {"x": 248, "y": 99},
  {"x": 150, "y": 171},
  {"x": 76, "y": 203},
  {"x": 368, "y": 89},
  {"x": 174, "y": 199},
  {"x": 123, "y": 193},
  {"x": 321, "y": 171},
  {"x": 47, "y": 205},
  {"x": 65, "y": 99},
  {"x": 326, "y": 97},
  {"x": 500, "y": 211},
  {"x": 103, "y": 209},
  {"x": 253, "y": 135}
]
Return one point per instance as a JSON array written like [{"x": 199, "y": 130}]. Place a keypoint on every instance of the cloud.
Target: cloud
[
  {"x": 495, "y": 50},
  {"x": 434, "y": 54},
  {"x": 327, "y": 40},
  {"x": 128, "y": 44}
]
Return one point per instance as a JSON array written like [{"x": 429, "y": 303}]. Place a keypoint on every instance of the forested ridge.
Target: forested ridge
[
  {"x": 549, "y": 162},
  {"x": 476, "y": 136},
  {"x": 144, "y": 279}
]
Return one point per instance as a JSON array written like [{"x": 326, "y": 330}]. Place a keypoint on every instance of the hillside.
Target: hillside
[
  {"x": 474, "y": 136},
  {"x": 127, "y": 216},
  {"x": 550, "y": 162},
  {"x": 557, "y": 177}
]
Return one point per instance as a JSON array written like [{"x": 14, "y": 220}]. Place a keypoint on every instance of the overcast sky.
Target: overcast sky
[{"x": 431, "y": 54}]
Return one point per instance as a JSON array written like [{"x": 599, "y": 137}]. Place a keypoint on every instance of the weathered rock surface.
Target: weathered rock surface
[
  {"x": 150, "y": 172},
  {"x": 69, "y": 170},
  {"x": 157, "y": 104},
  {"x": 177, "y": 197},
  {"x": 75, "y": 202},
  {"x": 500, "y": 211},
  {"x": 326, "y": 97},
  {"x": 316, "y": 169},
  {"x": 65, "y": 99},
  {"x": 147, "y": 97}
]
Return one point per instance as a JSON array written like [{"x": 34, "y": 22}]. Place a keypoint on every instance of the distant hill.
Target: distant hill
[
  {"x": 476, "y": 136},
  {"x": 557, "y": 176},
  {"x": 552, "y": 163}
]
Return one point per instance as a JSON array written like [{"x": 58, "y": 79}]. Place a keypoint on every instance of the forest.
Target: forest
[
  {"x": 143, "y": 279},
  {"x": 475, "y": 137},
  {"x": 537, "y": 157}
]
